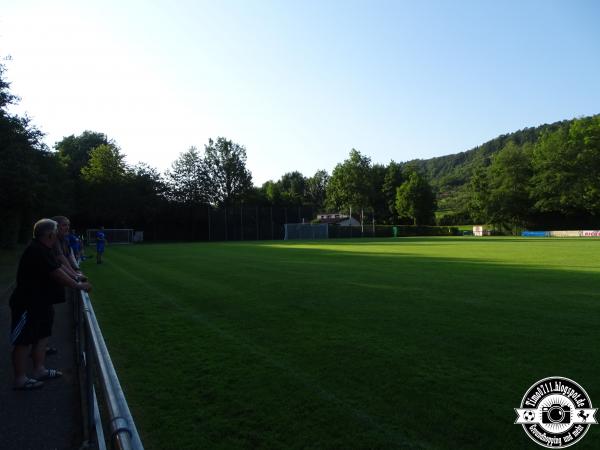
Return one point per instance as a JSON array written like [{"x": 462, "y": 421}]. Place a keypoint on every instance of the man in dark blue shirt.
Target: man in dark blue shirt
[{"x": 100, "y": 242}]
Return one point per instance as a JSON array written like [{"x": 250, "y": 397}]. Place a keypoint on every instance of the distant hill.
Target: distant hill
[{"x": 450, "y": 174}]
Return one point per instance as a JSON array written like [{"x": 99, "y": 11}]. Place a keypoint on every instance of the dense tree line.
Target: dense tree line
[
  {"x": 29, "y": 172},
  {"x": 552, "y": 182},
  {"x": 535, "y": 177}
]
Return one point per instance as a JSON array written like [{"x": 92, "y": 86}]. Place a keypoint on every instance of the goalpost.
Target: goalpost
[
  {"x": 306, "y": 231},
  {"x": 113, "y": 235}
]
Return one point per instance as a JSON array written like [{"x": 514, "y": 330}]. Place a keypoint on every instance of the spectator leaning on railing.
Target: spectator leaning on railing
[
  {"x": 40, "y": 284},
  {"x": 64, "y": 255},
  {"x": 75, "y": 245},
  {"x": 62, "y": 250}
]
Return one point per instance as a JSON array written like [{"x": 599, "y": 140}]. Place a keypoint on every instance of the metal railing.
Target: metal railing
[{"x": 96, "y": 370}]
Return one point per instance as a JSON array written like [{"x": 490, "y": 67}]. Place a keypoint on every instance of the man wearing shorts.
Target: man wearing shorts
[
  {"x": 40, "y": 284},
  {"x": 100, "y": 242}
]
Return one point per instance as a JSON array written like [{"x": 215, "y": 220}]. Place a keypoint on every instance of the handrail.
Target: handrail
[{"x": 121, "y": 426}]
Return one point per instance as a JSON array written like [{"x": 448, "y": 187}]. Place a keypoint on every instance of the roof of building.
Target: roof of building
[
  {"x": 333, "y": 220},
  {"x": 336, "y": 220}
]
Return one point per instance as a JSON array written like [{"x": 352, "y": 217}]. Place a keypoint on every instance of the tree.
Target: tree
[
  {"x": 74, "y": 151},
  {"x": 508, "y": 183},
  {"x": 228, "y": 177},
  {"x": 255, "y": 196},
  {"x": 187, "y": 180},
  {"x": 148, "y": 180},
  {"x": 272, "y": 192},
  {"x": 316, "y": 188},
  {"x": 103, "y": 185},
  {"x": 350, "y": 184},
  {"x": 585, "y": 134},
  {"x": 293, "y": 188},
  {"x": 377, "y": 200},
  {"x": 106, "y": 165},
  {"x": 479, "y": 195},
  {"x": 566, "y": 163},
  {"x": 7, "y": 98},
  {"x": 393, "y": 179},
  {"x": 26, "y": 170},
  {"x": 145, "y": 191},
  {"x": 415, "y": 199}
]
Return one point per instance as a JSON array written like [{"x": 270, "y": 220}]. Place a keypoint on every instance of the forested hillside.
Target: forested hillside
[
  {"x": 450, "y": 175},
  {"x": 451, "y": 171}
]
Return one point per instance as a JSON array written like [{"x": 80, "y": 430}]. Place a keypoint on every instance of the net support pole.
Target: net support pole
[
  {"x": 373, "y": 224},
  {"x": 362, "y": 227},
  {"x": 208, "y": 209},
  {"x": 272, "y": 225},
  {"x": 350, "y": 221}
]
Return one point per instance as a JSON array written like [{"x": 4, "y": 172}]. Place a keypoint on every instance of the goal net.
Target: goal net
[
  {"x": 112, "y": 235},
  {"x": 306, "y": 231}
]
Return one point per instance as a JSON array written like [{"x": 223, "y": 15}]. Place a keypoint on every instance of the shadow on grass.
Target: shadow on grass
[{"x": 380, "y": 353}]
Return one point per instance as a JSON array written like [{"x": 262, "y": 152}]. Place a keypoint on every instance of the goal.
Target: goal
[
  {"x": 306, "y": 231},
  {"x": 112, "y": 235}
]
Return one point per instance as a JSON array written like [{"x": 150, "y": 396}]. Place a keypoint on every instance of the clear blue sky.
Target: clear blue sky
[{"x": 301, "y": 83}]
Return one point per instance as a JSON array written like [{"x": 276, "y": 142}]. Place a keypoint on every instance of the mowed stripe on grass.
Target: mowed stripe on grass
[{"x": 424, "y": 342}]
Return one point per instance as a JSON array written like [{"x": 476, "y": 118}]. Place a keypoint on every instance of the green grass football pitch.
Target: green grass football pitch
[{"x": 349, "y": 344}]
